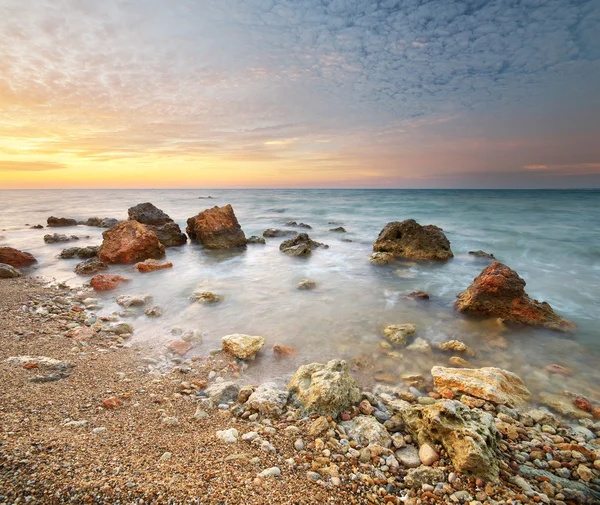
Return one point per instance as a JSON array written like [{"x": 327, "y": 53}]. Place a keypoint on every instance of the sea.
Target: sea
[{"x": 550, "y": 237}]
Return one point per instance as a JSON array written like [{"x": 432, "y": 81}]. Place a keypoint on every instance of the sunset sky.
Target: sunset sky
[{"x": 299, "y": 93}]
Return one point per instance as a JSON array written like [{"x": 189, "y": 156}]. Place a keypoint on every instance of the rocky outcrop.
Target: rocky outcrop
[
  {"x": 79, "y": 252},
  {"x": 147, "y": 213},
  {"x": 242, "y": 346},
  {"x": 498, "y": 291},
  {"x": 469, "y": 436},
  {"x": 324, "y": 389},
  {"x": 268, "y": 399},
  {"x": 15, "y": 258},
  {"x": 492, "y": 384},
  {"x": 129, "y": 242},
  {"x": 399, "y": 334},
  {"x": 90, "y": 266},
  {"x": 366, "y": 430},
  {"x": 274, "y": 232},
  {"x": 8, "y": 271},
  {"x": 216, "y": 228},
  {"x": 151, "y": 265},
  {"x": 56, "y": 222},
  {"x": 301, "y": 245},
  {"x": 106, "y": 282},
  {"x": 169, "y": 234},
  {"x": 410, "y": 240}
]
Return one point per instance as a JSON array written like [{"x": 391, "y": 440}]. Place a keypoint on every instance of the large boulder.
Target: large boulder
[
  {"x": 366, "y": 430},
  {"x": 169, "y": 234},
  {"x": 15, "y": 258},
  {"x": 301, "y": 245},
  {"x": 8, "y": 271},
  {"x": 469, "y": 436},
  {"x": 129, "y": 242},
  {"x": 216, "y": 228},
  {"x": 147, "y": 213},
  {"x": 492, "y": 384},
  {"x": 498, "y": 291},
  {"x": 410, "y": 240},
  {"x": 324, "y": 389},
  {"x": 268, "y": 399},
  {"x": 242, "y": 346},
  {"x": 56, "y": 222}
]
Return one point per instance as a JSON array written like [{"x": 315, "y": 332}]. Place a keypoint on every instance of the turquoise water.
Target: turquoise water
[{"x": 551, "y": 238}]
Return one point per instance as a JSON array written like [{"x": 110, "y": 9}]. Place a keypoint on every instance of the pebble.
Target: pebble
[
  {"x": 314, "y": 476},
  {"x": 229, "y": 436},
  {"x": 428, "y": 455},
  {"x": 299, "y": 445},
  {"x": 166, "y": 456},
  {"x": 250, "y": 436},
  {"x": 270, "y": 472}
]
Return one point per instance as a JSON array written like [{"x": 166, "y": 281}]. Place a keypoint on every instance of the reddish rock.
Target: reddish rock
[
  {"x": 216, "y": 228},
  {"x": 111, "y": 403},
  {"x": 418, "y": 295},
  {"x": 558, "y": 370},
  {"x": 281, "y": 351},
  {"x": 30, "y": 365},
  {"x": 81, "y": 334},
  {"x": 498, "y": 291},
  {"x": 178, "y": 346},
  {"x": 129, "y": 242},
  {"x": 152, "y": 265},
  {"x": 365, "y": 408},
  {"x": 15, "y": 258},
  {"x": 583, "y": 404},
  {"x": 596, "y": 412},
  {"x": 106, "y": 282}
]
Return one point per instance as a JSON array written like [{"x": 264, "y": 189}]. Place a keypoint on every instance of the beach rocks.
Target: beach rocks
[
  {"x": 129, "y": 242},
  {"x": 242, "y": 346},
  {"x": 178, "y": 346},
  {"x": 408, "y": 456},
  {"x": 339, "y": 229},
  {"x": 423, "y": 476},
  {"x": 57, "y": 237},
  {"x": 482, "y": 254},
  {"x": 324, "y": 389},
  {"x": 306, "y": 285},
  {"x": 55, "y": 222},
  {"x": 229, "y": 436},
  {"x": 301, "y": 245},
  {"x": 15, "y": 258},
  {"x": 133, "y": 300},
  {"x": 169, "y": 234},
  {"x": 79, "y": 252},
  {"x": 398, "y": 334},
  {"x": 8, "y": 271},
  {"x": 223, "y": 392},
  {"x": 409, "y": 240},
  {"x": 106, "y": 282},
  {"x": 492, "y": 384},
  {"x": 428, "y": 455},
  {"x": 563, "y": 406},
  {"x": 255, "y": 240},
  {"x": 498, "y": 291},
  {"x": 455, "y": 346},
  {"x": 299, "y": 225},
  {"x": 274, "y": 232},
  {"x": 268, "y": 399},
  {"x": 147, "y": 213},
  {"x": 367, "y": 430},
  {"x": 418, "y": 295},
  {"x": 107, "y": 222},
  {"x": 469, "y": 436},
  {"x": 283, "y": 351},
  {"x": 206, "y": 297},
  {"x": 150, "y": 265},
  {"x": 216, "y": 228},
  {"x": 381, "y": 258},
  {"x": 90, "y": 266},
  {"x": 29, "y": 362}
]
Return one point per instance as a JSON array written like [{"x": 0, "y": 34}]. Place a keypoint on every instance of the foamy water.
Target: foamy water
[{"x": 551, "y": 238}]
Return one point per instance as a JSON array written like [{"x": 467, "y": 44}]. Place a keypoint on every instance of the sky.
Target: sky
[{"x": 299, "y": 93}]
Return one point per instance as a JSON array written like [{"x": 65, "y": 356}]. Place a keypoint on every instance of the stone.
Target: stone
[
  {"x": 299, "y": 225},
  {"x": 90, "y": 266},
  {"x": 300, "y": 246},
  {"x": 106, "y": 282},
  {"x": 133, "y": 300},
  {"x": 455, "y": 346},
  {"x": 178, "y": 346},
  {"x": 418, "y": 295},
  {"x": 482, "y": 254},
  {"x": 339, "y": 229},
  {"x": 206, "y": 297},
  {"x": 107, "y": 222},
  {"x": 80, "y": 252},
  {"x": 229, "y": 436},
  {"x": 223, "y": 392},
  {"x": 242, "y": 346},
  {"x": 169, "y": 234},
  {"x": 381, "y": 258},
  {"x": 558, "y": 370},
  {"x": 155, "y": 311},
  {"x": 469, "y": 436},
  {"x": 58, "y": 237},
  {"x": 284, "y": 351},
  {"x": 118, "y": 328},
  {"x": 111, "y": 402},
  {"x": 306, "y": 285},
  {"x": 398, "y": 334},
  {"x": 409, "y": 240},
  {"x": 366, "y": 430},
  {"x": 492, "y": 384},
  {"x": 498, "y": 291},
  {"x": 8, "y": 272},
  {"x": 255, "y": 240},
  {"x": 563, "y": 406},
  {"x": 150, "y": 265},
  {"x": 268, "y": 399},
  {"x": 16, "y": 258},
  {"x": 81, "y": 333},
  {"x": 419, "y": 345},
  {"x": 129, "y": 242},
  {"x": 147, "y": 213},
  {"x": 27, "y": 361},
  {"x": 318, "y": 427},
  {"x": 428, "y": 455},
  {"x": 55, "y": 222},
  {"x": 324, "y": 389},
  {"x": 365, "y": 408},
  {"x": 244, "y": 393},
  {"x": 408, "y": 456},
  {"x": 216, "y": 228},
  {"x": 274, "y": 233},
  {"x": 417, "y": 477},
  {"x": 270, "y": 472}
]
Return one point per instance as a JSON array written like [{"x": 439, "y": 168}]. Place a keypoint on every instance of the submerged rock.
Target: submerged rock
[
  {"x": 306, "y": 284},
  {"x": 273, "y": 232},
  {"x": 408, "y": 239},
  {"x": 563, "y": 405},
  {"x": 242, "y": 346},
  {"x": 418, "y": 295},
  {"x": 79, "y": 252},
  {"x": 90, "y": 266},
  {"x": 399, "y": 334},
  {"x": 15, "y": 258},
  {"x": 367, "y": 430},
  {"x": 106, "y": 282},
  {"x": 151, "y": 265},
  {"x": 256, "y": 240},
  {"x": 216, "y": 228},
  {"x": 8, "y": 271},
  {"x": 130, "y": 242},
  {"x": 324, "y": 389},
  {"x": 482, "y": 254},
  {"x": 381, "y": 258},
  {"x": 55, "y": 222},
  {"x": 498, "y": 291},
  {"x": 455, "y": 346},
  {"x": 492, "y": 384},
  {"x": 178, "y": 346},
  {"x": 57, "y": 237},
  {"x": 339, "y": 229},
  {"x": 283, "y": 351},
  {"x": 133, "y": 300},
  {"x": 268, "y": 399},
  {"x": 206, "y": 297},
  {"x": 107, "y": 222},
  {"x": 299, "y": 225},
  {"x": 147, "y": 213},
  {"x": 301, "y": 245}
]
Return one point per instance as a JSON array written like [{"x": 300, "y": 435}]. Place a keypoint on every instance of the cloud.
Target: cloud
[
  {"x": 536, "y": 167},
  {"x": 30, "y": 166}
]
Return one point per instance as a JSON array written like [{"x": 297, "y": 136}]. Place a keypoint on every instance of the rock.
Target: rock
[
  {"x": 178, "y": 346},
  {"x": 365, "y": 408},
  {"x": 26, "y": 361},
  {"x": 381, "y": 258},
  {"x": 206, "y": 297},
  {"x": 270, "y": 472},
  {"x": 563, "y": 406},
  {"x": 242, "y": 346},
  {"x": 169, "y": 234},
  {"x": 582, "y": 403},
  {"x": 35, "y": 227},
  {"x": 89, "y": 267},
  {"x": 306, "y": 284},
  {"x": 55, "y": 222},
  {"x": 318, "y": 427},
  {"x": 274, "y": 232},
  {"x": 80, "y": 252},
  {"x": 498, "y": 291},
  {"x": 324, "y": 389},
  {"x": 107, "y": 222},
  {"x": 482, "y": 254},
  {"x": 469, "y": 436},
  {"x": 339, "y": 229},
  {"x": 216, "y": 228},
  {"x": 417, "y": 477},
  {"x": 56, "y": 238},
  {"x": 410, "y": 240},
  {"x": 418, "y": 295},
  {"x": 301, "y": 245},
  {"x": 366, "y": 430},
  {"x": 268, "y": 399},
  {"x": 255, "y": 240},
  {"x": 8, "y": 272},
  {"x": 428, "y": 455},
  {"x": 283, "y": 351},
  {"x": 111, "y": 402},
  {"x": 492, "y": 384},
  {"x": 398, "y": 334},
  {"x": 459, "y": 362},
  {"x": 408, "y": 456},
  {"x": 118, "y": 328},
  {"x": 299, "y": 445},
  {"x": 223, "y": 392},
  {"x": 129, "y": 242},
  {"x": 150, "y": 265},
  {"x": 455, "y": 346},
  {"x": 229, "y": 436},
  {"x": 299, "y": 225},
  {"x": 147, "y": 213},
  {"x": 558, "y": 370},
  {"x": 244, "y": 393},
  {"x": 155, "y": 311},
  {"x": 419, "y": 345},
  {"x": 81, "y": 333},
  {"x": 106, "y": 282},
  {"x": 15, "y": 258},
  {"x": 133, "y": 300}
]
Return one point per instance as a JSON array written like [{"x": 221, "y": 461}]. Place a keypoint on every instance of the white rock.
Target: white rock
[
  {"x": 270, "y": 472},
  {"x": 268, "y": 399},
  {"x": 166, "y": 456},
  {"x": 299, "y": 444},
  {"x": 229, "y": 436},
  {"x": 250, "y": 436},
  {"x": 133, "y": 300},
  {"x": 242, "y": 346},
  {"x": 366, "y": 430}
]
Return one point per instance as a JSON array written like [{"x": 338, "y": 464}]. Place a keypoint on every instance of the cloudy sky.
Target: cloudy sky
[{"x": 299, "y": 93}]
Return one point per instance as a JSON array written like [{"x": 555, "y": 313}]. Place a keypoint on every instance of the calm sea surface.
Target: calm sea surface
[{"x": 551, "y": 238}]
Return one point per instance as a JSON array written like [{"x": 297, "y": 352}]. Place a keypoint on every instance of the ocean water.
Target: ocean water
[{"x": 551, "y": 238}]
